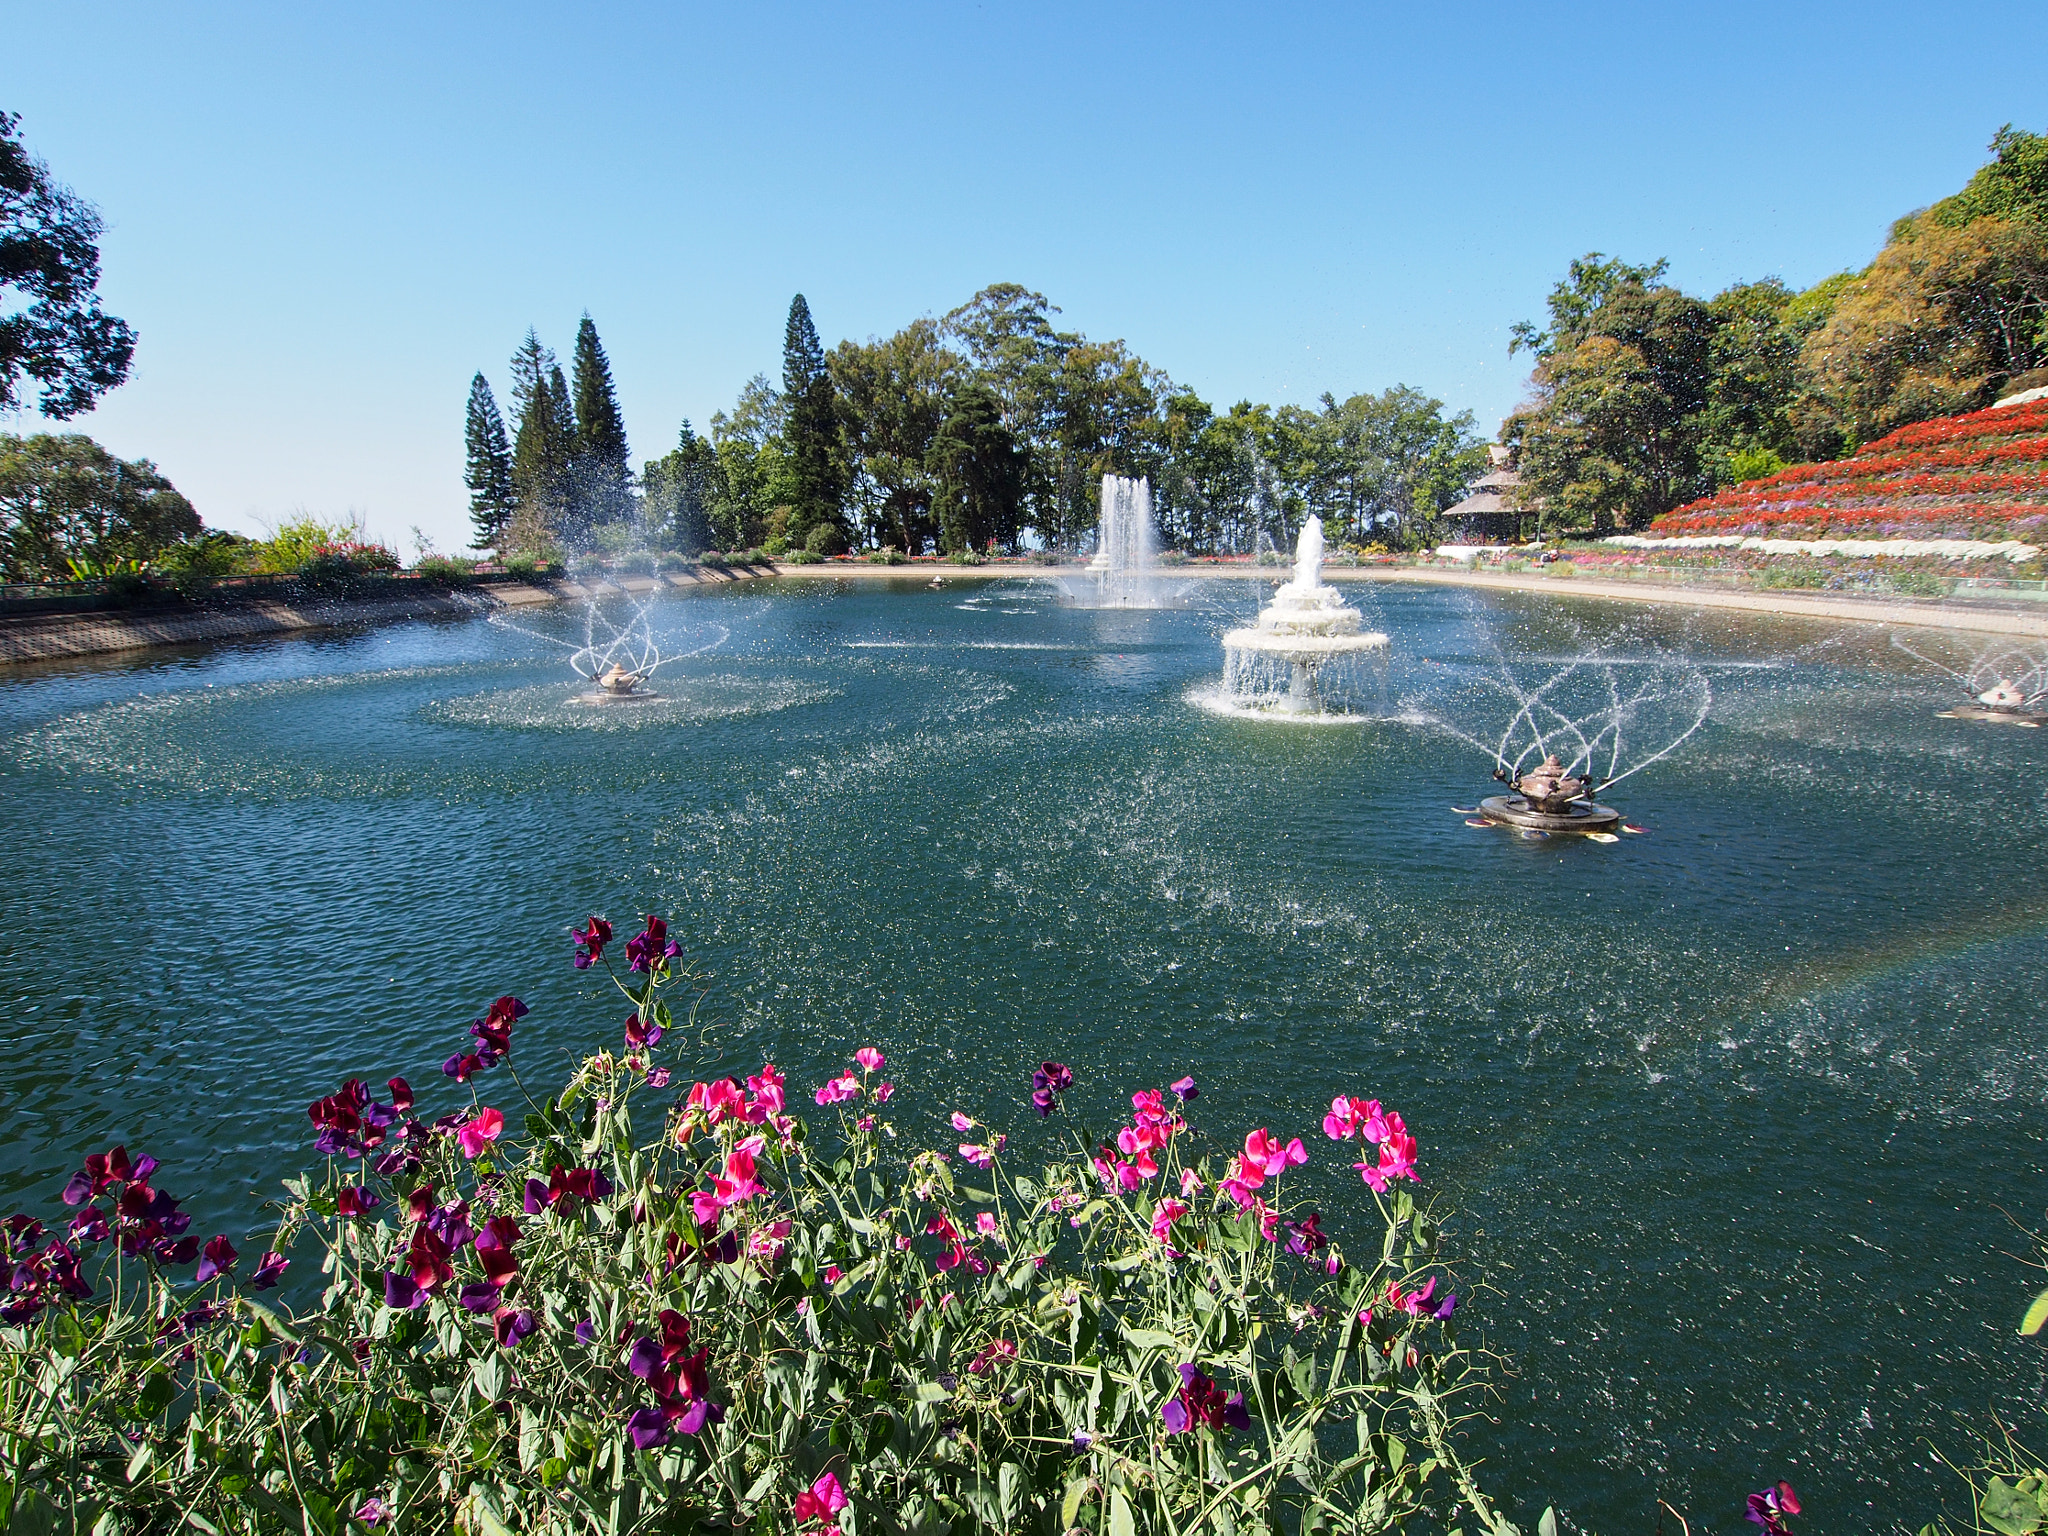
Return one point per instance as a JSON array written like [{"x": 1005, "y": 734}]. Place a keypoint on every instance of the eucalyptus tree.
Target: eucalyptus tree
[{"x": 894, "y": 395}]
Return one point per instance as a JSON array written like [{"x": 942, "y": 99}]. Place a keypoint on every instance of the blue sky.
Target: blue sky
[{"x": 323, "y": 220}]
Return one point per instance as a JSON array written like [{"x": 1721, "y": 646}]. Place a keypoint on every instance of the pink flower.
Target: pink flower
[
  {"x": 658, "y": 1078},
  {"x": 477, "y": 1136},
  {"x": 765, "y": 1242},
  {"x": 716, "y": 1102},
  {"x": 833, "y": 1273},
  {"x": 986, "y": 1224},
  {"x": 767, "y": 1090},
  {"x": 1190, "y": 1181},
  {"x": 979, "y": 1156},
  {"x": 1165, "y": 1214},
  {"x": 882, "y": 1092},
  {"x": 840, "y": 1089},
  {"x": 869, "y": 1058},
  {"x": 819, "y": 1502},
  {"x": 961, "y": 1123},
  {"x": 739, "y": 1182},
  {"x": 1268, "y": 1156}
]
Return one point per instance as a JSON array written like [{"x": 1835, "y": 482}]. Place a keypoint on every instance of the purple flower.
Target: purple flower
[
  {"x": 1201, "y": 1401},
  {"x": 536, "y": 1197},
  {"x": 645, "y": 1359},
  {"x": 269, "y": 1270},
  {"x": 479, "y": 1296},
  {"x": 1306, "y": 1236},
  {"x": 1185, "y": 1090},
  {"x": 217, "y": 1258},
  {"x": 402, "y": 1292},
  {"x": 1446, "y": 1307},
  {"x": 701, "y": 1412},
  {"x": 586, "y": 1332},
  {"x": 652, "y": 950},
  {"x": 1048, "y": 1082},
  {"x": 372, "y": 1512},
  {"x": 590, "y": 941},
  {"x": 511, "y": 1326},
  {"x": 648, "y": 1427}
]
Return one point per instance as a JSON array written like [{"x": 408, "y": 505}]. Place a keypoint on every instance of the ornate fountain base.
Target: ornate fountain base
[
  {"x": 2020, "y": 717},
  {"x": 1579, "y": 816},
  {"x": 612, "y": 696}
]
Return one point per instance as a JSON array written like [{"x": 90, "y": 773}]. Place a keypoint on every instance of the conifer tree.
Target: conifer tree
[
  {"x": 572, "y": 521},
  {"x": 604, "y": 473},
  {"x": 537, "y": 478},
  {"x": 488, "y": 473},
  {"x": 811, "y": 425}
]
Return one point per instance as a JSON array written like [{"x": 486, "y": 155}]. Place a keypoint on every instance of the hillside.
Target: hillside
[{"x": 1980, "y": 476}]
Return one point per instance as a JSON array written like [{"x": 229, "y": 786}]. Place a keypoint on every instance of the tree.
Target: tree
[
  {"x": 811, "y": 426},
  {"x": 1389, "y": 459},
  {"x": 894, "y": 395},
  {"x": 980, "y": 470},
  {"x": 49, "y": 255},
  {"x": 488, "y": 470},
  {"x": 1945, "y": 315},
  {"x": 603, "y": 473},
  {"x": 2013, "y": 188},
  {"x": 543, "y": 443},
  {"x": 66, "y": 503},
  {"x": 682, "y": 491},
  {"x": 1623, "y": 374}
]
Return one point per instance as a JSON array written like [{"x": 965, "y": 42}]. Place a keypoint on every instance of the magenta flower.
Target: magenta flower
[
  {"x": 961, "y": 1123},
  {"x": 870, "y": 1059},
  {"x": 373, "y": 1512},
  {"x": 1305, "y": 1237},
  {"x": 1270, "y": 1158},
  {"x": 1768, "y": 1508},
  {"x": 478, "y": 1296},
  {"x": 1201, "y": 1401},
  {"x": 1048, "y": 1083},
  {"x": 820, "y": 1502},
  {"x": 883, "y": 1091},
  {"x": 269, "y": 1270},
  {"x": 216, "y": 1258},
  {"x": 840, "y": 1089},
  {"x": 651, "y": 950},
  {"x": 401, "y": 1094},
  {"x": 590, "y": 942},
  {"x": 1165, "y": 1214},
  {"x": 354, "y": 1200},
  {"x": 641, "y": 1032},
  {"x": 767, "y": 1093},
  {"x": 476, "y": 1136}
]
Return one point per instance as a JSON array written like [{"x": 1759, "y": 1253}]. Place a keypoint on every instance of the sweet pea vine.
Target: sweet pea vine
[{"x": 618, "y": 1306}]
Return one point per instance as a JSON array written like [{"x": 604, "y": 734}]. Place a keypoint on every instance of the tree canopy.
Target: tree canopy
[
  {"x": 69, "y": 508},
  {"x": 52, "y": 329}
]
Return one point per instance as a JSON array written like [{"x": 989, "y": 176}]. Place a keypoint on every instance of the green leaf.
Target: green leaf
[
  {"x": 489, "y": 1375},
  {"x": 1070, "y": 1506},
  {"x": 2008, "y": 1510},
  {"x": 932, "y": 1392},
  {"x": 138, "y": 1464},
  {"x": 2037, "y": 1316},
  {"x": 1151, "y": 1338},
  {"x": 1120, "y": 1521}
]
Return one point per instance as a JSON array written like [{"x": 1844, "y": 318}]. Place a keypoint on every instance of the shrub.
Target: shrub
[
  {"x": 1172, "y": 557},
  {"x": 826, "y": 539},
  {"x": 1269, "y": 557},
  {"x": 446, "y": 570},
  {"x": 524, "y": 566},
  {"x": 802, "y": 557},
  {"x": 776, "y": 545},
  {"x": 636, "y": 1312},
  {"x": 970, "y": 557}
]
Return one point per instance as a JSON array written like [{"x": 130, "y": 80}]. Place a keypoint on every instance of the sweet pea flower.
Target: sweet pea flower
[
  {"x": 1185, "y": 1090},
  {"x": 640, "y": 1032},
  {"x": 1201, "y": 1401},
  {"x": 372, "y": 1512},
  {"x": 1048, "y": 1082},
  {"x": 590, "y": 942},
  {"x": 820, "y": 1502},
  {"x": 1306, "y": 1236},
  {"x": 1768, "y": 1507},
  {"x": 986, "y": 1224},
  {"x": 833, "y": 1274},
  {"x": 477, "y": 1135},
  {"x": 883, "y": 1092},
  {"x": 353, "y": 1200},
  {"x": 510, "y": 1326},
  {"x": 840, "y": 1089},
  {"x": 401, "y": 1094},
  {"x": 1270, "y": 1158},
  {"x": 870, "y": 1059},
  {"x": 402, "y": 1292},
  {"x": 1165, "y": 1214},
  {"x": 651, "y": 950},
  {"x": 216, "y": 1258},
  {"x": 767, "y": 1090},
  {"x": 961, "y": 1123},
  {"x": 269, "y": 1270}
]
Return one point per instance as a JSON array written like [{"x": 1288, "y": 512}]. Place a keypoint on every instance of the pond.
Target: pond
[{"x": 1731, "y": 1113}]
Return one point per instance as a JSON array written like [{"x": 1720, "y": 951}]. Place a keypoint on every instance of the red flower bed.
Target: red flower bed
[{"x": 1982, "y": 475}]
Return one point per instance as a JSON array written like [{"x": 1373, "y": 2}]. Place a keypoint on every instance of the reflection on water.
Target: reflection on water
[{"x": 1729, "y": 1110}]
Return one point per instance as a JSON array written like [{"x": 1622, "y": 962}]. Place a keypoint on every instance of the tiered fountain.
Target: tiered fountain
[{"x": 1305, "y": 644}]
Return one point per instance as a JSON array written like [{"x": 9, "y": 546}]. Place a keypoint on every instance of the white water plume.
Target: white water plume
[
  {"x": 1995, "y": 664},
  {"x": 1604, "y": 717}
]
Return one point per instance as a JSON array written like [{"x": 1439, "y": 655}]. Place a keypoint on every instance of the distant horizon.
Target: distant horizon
[{"x": 322, "y": 227}]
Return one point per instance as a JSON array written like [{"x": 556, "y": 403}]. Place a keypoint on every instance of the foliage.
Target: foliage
[
  {"x": 65, "y": 499},
  {"x": 825, "y": 539},
  {"x": 679, "y": 491},
  {"x": 894, "y": 395},
  {"x": 322, "y": 552},
  {"x": 446, "y": 570},
  {"x": 811, "y": 427},
  {"x": 2013, "y": 188},
  {"x": 487, "y": 466},
  {"x": 982, "y": 472},
  {"x": 194, "y": 564},
  {"x": 801, "y": 557},
  {"x": 543, "y": 446},
  {"x": 49, "y": 256},
  {"x": 601, "y": 475},
  {"x": 637, "y": 1313}
]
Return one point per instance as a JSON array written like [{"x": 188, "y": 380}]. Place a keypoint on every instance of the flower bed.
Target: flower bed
[
  {"x": 551, "y": 1320},
  {"x": 1981, "y": 476}
]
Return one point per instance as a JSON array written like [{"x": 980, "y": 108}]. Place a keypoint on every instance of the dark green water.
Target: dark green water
[{"x": 1732, "y": 1111}]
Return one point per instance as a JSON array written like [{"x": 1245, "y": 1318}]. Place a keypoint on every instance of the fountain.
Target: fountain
[
  {"x": 618, "y": 658},
  {"x": 2007, "y": 683},
  {"x": 1303, "y": 644},
  {"x": 1124, "y": 570},
  {"x": 1584, "y": 729}
]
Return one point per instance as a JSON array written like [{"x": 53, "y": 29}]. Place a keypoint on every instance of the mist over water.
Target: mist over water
[{"x": 1730, "y": 1113}]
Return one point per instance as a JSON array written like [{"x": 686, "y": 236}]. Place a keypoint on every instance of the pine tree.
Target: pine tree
[
  {"x": 572, "y": 520},
  {"x": 488, "y": 473},
  {"x": 679, "y": 490},
  {"x": 812, "y": 425},
  {"x": 537, "y": 460},
  {"x": 604, "y": 475}
]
